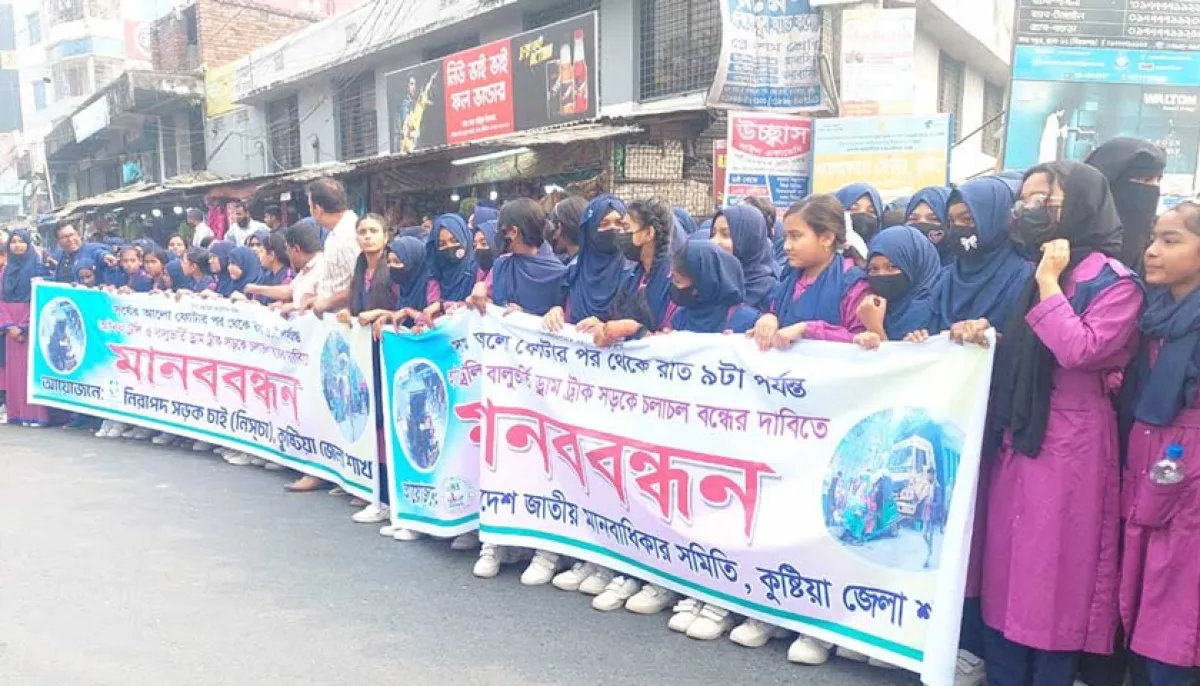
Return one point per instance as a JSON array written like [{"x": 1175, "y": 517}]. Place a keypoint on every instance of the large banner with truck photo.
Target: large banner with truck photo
[
  {"x": 825, "y": 489},
  {"x": 294, "y": 391},
  {"x": 431, "y": 390}
]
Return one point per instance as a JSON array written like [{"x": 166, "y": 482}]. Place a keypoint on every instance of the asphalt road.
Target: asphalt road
[{"x": 125, "y": 564}]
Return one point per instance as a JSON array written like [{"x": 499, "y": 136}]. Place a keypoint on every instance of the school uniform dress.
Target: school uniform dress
[{"x": 828, "y": 303}]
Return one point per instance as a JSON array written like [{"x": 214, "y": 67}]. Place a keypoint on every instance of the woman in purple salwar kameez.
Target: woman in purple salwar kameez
[
  {"x": 23, "y": 267},
  {"x": 1049, "y": 586}
]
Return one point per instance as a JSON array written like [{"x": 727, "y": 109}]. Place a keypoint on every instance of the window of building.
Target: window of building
[
  {"x": 564, "y": 9},
  {"x": 283, "y": 122},
  {"x": 34, "y": 23},
  {"x": 993, "y": 122},
  {"x": 951, "y": 76},
  {"x": 62, "y": 11},
  {"x": 70, "y": 80},
  {"x": 39, "y": 95},
  {"x": 357, "y": 132},
  {"x": 106, "y": 72},
  {"x": 680, "y": 44},
  {"x": 437, "y": 52}
]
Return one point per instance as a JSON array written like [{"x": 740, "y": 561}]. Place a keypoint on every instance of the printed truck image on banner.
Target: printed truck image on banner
[
  {"x": 783, "y": 486},
  {"x": 431, "y": 397},
  {"x": 897, "y": 155},
  {"x": 767, "y": 156},
  {"x": 297, "y": 392}
]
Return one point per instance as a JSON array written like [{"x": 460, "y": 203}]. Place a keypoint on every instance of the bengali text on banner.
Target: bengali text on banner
[
  {"x": 823, "y": 489},
  {"x": 297, "y": 392}
]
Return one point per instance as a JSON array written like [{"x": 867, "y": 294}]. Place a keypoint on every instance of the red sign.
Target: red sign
[
  {"x": 138, "y": 39},
  {"x": 772, "y": 137},
  {"x": 479, "y": 86},
  {"x": 719, "y": 172}
]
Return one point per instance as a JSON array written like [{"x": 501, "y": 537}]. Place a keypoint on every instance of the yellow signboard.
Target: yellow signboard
[
  {"x": 218, "y": 90},
  {"x": 9, "y": 59},
  {"x": 896, "y": 155}
]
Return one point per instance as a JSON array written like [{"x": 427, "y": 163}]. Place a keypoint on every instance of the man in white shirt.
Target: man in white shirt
[
  {"x": 328, "y": 205},
  {"x": 200, "y": 230},
  {"x": 241, "y": 226}
]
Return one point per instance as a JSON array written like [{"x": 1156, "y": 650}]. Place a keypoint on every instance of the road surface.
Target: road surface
[{"x": 126, "y": 564}]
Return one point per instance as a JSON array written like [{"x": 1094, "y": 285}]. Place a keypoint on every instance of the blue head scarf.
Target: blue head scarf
[
  {"x": 247, "y": 260},
  {"x": 412, "y": 254},
  {"x": 777, "y": 247},
  {"x": 483, "y": 214},
  {"x": 535, "y": 282},
  {"x": 685, "y": 221},
  {"x": 21, "y": 270},
  {"x": 597, "y": 275},
  {"x": 985, "y": 281},
  {"x": 456, "y": 279},
  {"x": 488, "y": 229},
  {"x": 705, "y": 231},
  {"x": 179, "y": 281},
  {"x": 911, "y": 253},
  {"x": 1014, "y": 179},
  {"x": 822, "y": 300},
  {"x": 261, "y": 236},
  {"x": 81, "y": 264},
  {"x": 222, "y": 250},
  {"x": 752, "y": 248},
  {"x": 848, "y": 195},
  {"x": 717, "y": 278},
  {"x": 938, "y": 199}
]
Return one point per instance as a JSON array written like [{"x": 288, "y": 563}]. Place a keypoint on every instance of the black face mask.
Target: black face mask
[
  {"x": 864, "y": 225},
  {"x": 962, "y": 243},
  {"x": 399, "y": 274},
  {"x": 1034, "y": 226},
  {"x": 684, "y": 297},
  {"x": 891, "y": 286},
  {"x": 605, "y": 242},
  {"x": 625, "y": 244},
  {"x": 454, "y": 254},
  {"x": 484, "y": 258},
  {"x": 936, "y": 233}
]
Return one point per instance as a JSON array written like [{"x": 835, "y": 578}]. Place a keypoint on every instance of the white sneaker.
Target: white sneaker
[
  {"x": 141, "y": 433},
  {"x": 753, "y": 633},
  {"x": 129, "y": 432},
  {"x": 372, "y": 514},
  {"x": 970, "y": 670},
  {"x": 162, "y": 439},
  {"x": 258, "y": 462},
  {"x": 712, "y": 623},
  {"x": 541, "y": 569},
  {"x": 105, "y": 425},
  {"x": 808, "y": 651},
  {"x": 619, "y": 590},
  {"x": 488, "y": 564},
  {"x": 467, "y": 541},
  {"x": 651, "y": 600},
  {"x": 388, "y": 530},
  {"x": 407, "y": 535},
  {"x": 115, "y": 430},
  {"x": 597, "y": 582},
  {"x": 225, "y": 452},
  {"x": 201, "y": 447},
  {"x": 852, "y": 655},
  {"x": 273, "y": 467},
  {"x": 570, "y": 579},
  {"x": 238, "y": 459},
  {"x": 686, "y": 611}
]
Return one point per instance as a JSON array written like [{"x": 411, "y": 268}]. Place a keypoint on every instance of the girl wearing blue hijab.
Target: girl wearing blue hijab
[
  {"x": 599, "y": 264},
  {"x": 865, "y": 206},
  {"x": 928, "y": 213},
  {"x": 988, "y": 271},
  {"x": 451, "y": 258},
  {"x": 243, "y": 269},
  {"x": 742, "y": 231},
  {"x": 707, "y": 287},
  {"x": 902, "y": 269},
  {"x": 218, "y": 259},
  {"x": 483, "y": 214},
  {"x": 487, "y": 248},
  {"x": 525, "y": 277},
  {"x": 83, "y": 272}
]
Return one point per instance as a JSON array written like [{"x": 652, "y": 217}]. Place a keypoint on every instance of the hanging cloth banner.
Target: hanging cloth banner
[
  {"x": 431, "y": 397},
  {"x": 297, "y": 392},
  {"x": 770, "y": 57},
  {"x": 826, "y": 490}
]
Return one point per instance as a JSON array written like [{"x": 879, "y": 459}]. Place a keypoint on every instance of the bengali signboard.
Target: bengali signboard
[
  {"x": 877, "y": 61},
  {"x": 768, "y": 156},
  {"x": 850, "y": 520},
  {"x": 431, "y": 388},
  {"x": 1118, "y": 24},
  {"x": 297, "y": 392},
  {"x": 770, "y": 57},
  {"x": 536, "y": 79},
  {"x": 897, "y": 155}
]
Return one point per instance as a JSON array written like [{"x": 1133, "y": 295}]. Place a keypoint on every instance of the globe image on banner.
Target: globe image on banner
[
  {"x": 346, "y": 390},
  {"x": 887, "y": 492},
  {"x": 421, "y": 413},
  {"x": 61, "y": 335}
]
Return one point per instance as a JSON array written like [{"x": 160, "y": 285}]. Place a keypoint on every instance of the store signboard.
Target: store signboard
[
  {"x": 877, "y": 61},
  {"x": 897, "y": 155},
  {"x": 770, "y": 57}
]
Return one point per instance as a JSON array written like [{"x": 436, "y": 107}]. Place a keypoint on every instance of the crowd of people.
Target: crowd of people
[{"x": 1077, "y": 554}]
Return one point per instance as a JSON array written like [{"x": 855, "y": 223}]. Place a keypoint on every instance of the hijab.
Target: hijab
[
  {"x": 597, "y": 275},
  {"x": 913, "y": 254},
  {"x": 848, "y": 195},
  {"x": 456, "y": 279},
  {"x": 261, "y": 236},
  {"x": 488, "y": 229},
  {"x": 179, "y": 281},
  {"x": 222, "y": 250},
  {"x": 705, "y": 230},
  {"x": 535, "y": 282},
  {"x": 81, "y": 264},
  {"x": 484, "y": 214},
  {"x": 717, "y": 278},
  {"x": 685, "y": 221},
  {"x": 412, "y": 254},
  {"x": 247, "y": 260},
  {"x": 752, "y": 248},
  {"x": 1024, "y": 380},
  {"x": 983, "y": 282},
  {"x": 778, "y": 251},
  {"x": 21, "y": 270},
  {"x": 1121, "y": 160},
  {"x": 937, "y": 198},
  {"x": 822, "y": 300}
]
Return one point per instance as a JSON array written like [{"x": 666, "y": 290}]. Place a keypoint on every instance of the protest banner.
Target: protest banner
[
  {"x": 823, "y": 489},
  {"x": 294, "y": 391},
  {"x": 431, "y": 387}
]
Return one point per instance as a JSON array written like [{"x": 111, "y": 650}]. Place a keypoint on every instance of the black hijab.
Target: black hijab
[
  {"x": 1024, "y": 376},
  {"x": 1121, "y": 160}
]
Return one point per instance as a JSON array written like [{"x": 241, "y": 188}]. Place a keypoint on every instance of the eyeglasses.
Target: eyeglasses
[{"x": 1034, "y": 203}]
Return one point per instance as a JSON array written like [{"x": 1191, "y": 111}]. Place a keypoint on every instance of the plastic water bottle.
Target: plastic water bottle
[{"x": 1167, "y": 470}]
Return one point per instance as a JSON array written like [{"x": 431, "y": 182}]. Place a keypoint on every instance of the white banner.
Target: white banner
[
  {"x": 298, "y": 392},
  {"x": 827, "y": 489},
  {"x": 770, "y": 58}
]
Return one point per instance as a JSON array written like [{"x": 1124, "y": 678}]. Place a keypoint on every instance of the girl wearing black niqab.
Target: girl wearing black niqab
[{"x": 1133, "y": 168}]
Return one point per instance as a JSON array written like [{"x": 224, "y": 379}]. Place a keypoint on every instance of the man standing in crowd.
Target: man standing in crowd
[
  {"x": 328, "y": 205},
  {"x": 71, "y": 244},
  {"x": 200, "y": 230},
  {"x": 241, "y": 226},
  {"x": 273, "y": 217}
]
